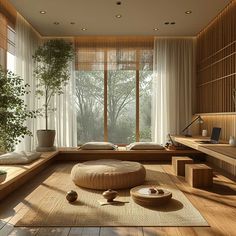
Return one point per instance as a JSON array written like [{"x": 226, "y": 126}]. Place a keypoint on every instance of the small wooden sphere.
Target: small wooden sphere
[{"x": 71, "y": 196}]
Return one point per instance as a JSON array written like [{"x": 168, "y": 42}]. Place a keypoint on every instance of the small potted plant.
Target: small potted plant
[
  {"x": 52, "y": 74},
  {"x": 3, "y": 175},
  {"x": 13, "y": 111}
]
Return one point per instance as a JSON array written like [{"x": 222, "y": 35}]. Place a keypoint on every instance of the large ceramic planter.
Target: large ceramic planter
[
  {"x": 3, "y": 176},
  {"x": 46, "y": 140}
]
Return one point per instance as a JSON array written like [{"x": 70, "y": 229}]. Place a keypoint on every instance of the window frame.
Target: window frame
[{"x": 104, "y": 46}]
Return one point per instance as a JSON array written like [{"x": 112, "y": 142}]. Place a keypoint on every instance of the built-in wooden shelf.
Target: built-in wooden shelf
[{"x": 216, "y": 114}]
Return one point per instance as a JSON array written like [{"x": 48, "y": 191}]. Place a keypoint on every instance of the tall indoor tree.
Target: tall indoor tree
[{"x": 52, "y": 73}]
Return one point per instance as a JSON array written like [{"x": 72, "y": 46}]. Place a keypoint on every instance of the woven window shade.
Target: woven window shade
[
  {"x": 117, "y": 53},
  {"x": 3, "y": 32},
  {"x": 9, "y": 12},
  {"x": 7, "y": 18}
]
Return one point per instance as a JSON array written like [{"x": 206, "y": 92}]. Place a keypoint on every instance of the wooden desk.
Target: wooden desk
[{"x": 224, "y": 152}]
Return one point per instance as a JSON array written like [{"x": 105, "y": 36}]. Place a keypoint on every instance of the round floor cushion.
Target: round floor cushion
[{"x": 108, "y": 174}]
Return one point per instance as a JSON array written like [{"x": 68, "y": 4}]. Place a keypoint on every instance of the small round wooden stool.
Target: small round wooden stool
[{"x": 149, "y": 195}]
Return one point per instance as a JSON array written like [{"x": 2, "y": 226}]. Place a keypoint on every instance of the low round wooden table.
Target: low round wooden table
[{"x": 143, "y": 196}]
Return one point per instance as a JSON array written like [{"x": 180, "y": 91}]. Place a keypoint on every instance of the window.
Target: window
[
  {"x": 113, "y": 90},
  {"x": 11, "y": 49},
  {"x": 89, "y": 103}
]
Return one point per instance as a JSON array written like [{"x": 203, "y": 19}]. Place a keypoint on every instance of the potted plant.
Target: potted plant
[
  {"x": 3, "y": 175},
  {"x": 13, "y": 111},
  {"x": 52, "y": 74}
]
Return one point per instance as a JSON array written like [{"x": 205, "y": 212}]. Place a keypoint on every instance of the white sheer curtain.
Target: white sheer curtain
[
  {"x": 27, "y": 41},
  {"x": 173, "y": 86},
  {"x": 64, "y": 119}
]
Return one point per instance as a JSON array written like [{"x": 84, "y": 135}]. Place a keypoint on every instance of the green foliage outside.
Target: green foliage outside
[
  {"x": 52, "y": 71},
  {"x": 121, "y": 106},
  {"x": 13, "y": 111}
]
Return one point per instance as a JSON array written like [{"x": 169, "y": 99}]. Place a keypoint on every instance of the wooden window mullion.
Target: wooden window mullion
[
  {"x": 137, "y": 96},
  {"x": 105, "y": 97}
]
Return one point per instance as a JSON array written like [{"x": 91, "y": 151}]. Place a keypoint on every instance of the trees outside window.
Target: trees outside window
[{"x": 107, "y": 97}]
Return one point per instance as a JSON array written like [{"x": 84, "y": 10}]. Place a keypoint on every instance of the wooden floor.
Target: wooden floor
[{"x": 217, "y": 205}]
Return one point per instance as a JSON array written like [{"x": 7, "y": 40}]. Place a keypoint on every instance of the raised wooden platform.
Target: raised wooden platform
[
  {"x": 73, "y": 154},
  {"x": 19, "y": 174}
]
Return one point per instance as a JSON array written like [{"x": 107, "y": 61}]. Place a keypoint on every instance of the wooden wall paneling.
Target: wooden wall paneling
[
  {"x": 216, "y": 76},
  {"x": 216, "y": 66}
]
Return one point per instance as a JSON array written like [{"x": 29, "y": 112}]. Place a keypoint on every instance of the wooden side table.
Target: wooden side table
[
  {"x": 199, "y": 175},
  {"x": 142, "y": 196},
  {"x": 178, "y": 164}
]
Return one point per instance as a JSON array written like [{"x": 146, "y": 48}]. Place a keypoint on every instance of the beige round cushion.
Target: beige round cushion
[{"x": 108, "y": 174}]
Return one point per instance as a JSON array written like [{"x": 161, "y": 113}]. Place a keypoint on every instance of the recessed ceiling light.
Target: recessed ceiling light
[
  {"x": 72, "y": 23},
  {"x": 118, "y": 16},
  {"x": 83, "y": 29},
  {"x": 188, "y": 12},
  {"x": 172, "y": 23},
  {"x": 56, "y": 23},
  {"x": 167, "y": 23},
  {"x": 155, "y": 29},
  {"x": 118, "y": 3},
  {"x": 42, "y": 12}
]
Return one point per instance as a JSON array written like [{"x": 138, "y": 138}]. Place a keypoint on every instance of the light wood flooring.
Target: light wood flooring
[{"x": 217, "y": 205}]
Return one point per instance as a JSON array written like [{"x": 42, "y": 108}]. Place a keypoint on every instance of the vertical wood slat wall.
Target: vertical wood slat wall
[{"x": 216, "y": 63}]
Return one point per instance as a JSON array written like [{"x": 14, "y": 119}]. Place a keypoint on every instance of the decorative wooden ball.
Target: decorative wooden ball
[{"x": 71, "y": 196}]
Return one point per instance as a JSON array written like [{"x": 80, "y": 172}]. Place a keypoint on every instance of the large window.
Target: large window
[
  {"x": 11, "y": 35},
  {"x": 113, "y": 90},
  {"x": 90, "y": 104}
]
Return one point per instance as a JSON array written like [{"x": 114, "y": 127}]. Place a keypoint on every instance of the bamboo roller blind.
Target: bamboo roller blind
[
  {"x": 8, "y": 11},
  {"x": 7, "y": 17},
  {"x": 216, "y": 63},
  {"x": 3, "y": 32},
  {"x": 123, "y": 53}
]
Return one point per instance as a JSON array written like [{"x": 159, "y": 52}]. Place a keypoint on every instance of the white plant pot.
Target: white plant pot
[{"x": 46, "y": 140}]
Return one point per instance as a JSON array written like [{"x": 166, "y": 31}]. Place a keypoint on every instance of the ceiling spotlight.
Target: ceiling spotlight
[
  {"x": 83, "y": 29},
  {"x": 172, "y": 23},
  {"x": 167, "y": 23},
  {"x": 56, "y": 23},
  {"x": 155, "y": 29},
  {"x": 72, "y": 23},
  {"x": 118, "y": 3},
  {"x": 118, "y": 16},
  {"x": 188, "y": 12},
  {"x": 42, "y": 12}
]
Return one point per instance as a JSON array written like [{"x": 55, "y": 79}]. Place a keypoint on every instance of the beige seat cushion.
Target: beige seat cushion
[
  {"x": 22, "y": 157},
  {"x": 98, "y": 146},
  {"x": 144, "y": 146},
  {"x": 108, "y": 174}
]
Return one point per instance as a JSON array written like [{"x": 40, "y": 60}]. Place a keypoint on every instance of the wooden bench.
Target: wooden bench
[
  {"x": 73, "y": 154},
  {"x": 19, "y": 174}
]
